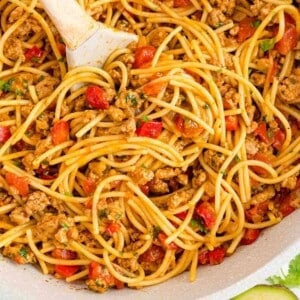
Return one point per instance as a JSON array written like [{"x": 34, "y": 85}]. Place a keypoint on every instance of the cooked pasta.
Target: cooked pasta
[{"x": 181, "y": 148}]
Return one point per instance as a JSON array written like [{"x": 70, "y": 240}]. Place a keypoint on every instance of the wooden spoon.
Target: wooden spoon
[{"x": 89, "y": 43}]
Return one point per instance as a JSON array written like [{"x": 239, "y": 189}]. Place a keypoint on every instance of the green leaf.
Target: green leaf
[
  {"x": 156, "y": 231},
  {"x": 65, "y": 226},
  {"x": 5, "y": 86},
  {"x": 255, "y": 24},
  {"x": 292, "y": 279},
  {"x": 198, "y": 226},
  {"x": 23, "y": 252},
  {"x": 132, "y": 99},
  {"x": 145, "y": 119},
  {"x": 267, "y": 45}
]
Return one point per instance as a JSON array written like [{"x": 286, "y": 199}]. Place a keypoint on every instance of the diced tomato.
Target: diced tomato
[
  {"x": 64, "y": 254},
  {"x": 179, "y": 122},
  {"x": 153, "y": 88},
  {"x": 181, "y": 3},
  {"x": 119, "y": 284},
  {"x": 89, "y": 204},
  {"x": 34, "y": 54},
  {"x": 153, "y": 254},
  {"x": 272, "y": 72},
  {"x": 162, "y": 238},
  {"x": 250, "y": 236},
  {"x": 279, "y": 139},
  {"x": 191, "y": 129},
  {"x": 232, "y": 123},
  {"x": 97, "y": 271},
  {"x": 261, "y": 132},
  {"x": 207, "y": 213},
  {"x": 285, "y": 206},
  {"x": 289, "y": 39},
  {"x": 216, "y": 256},
  {"x": 96, "y": 97},
  {"x": 143, "y": 55},
  {"x": 66, "y": 271},
  {"x": 19, "y": 183},
  {"x": 150, "y": 129},
  {"x": 289, "y": 19},
  {"x": 257, "y": 212},
  {"x": 188, "y": 128},
  {"x": 261, "y": 157},
  {"x": 20, "y": 260},
  {"x": 182, "y": 215},
  {"x": 5, "y": 134},
  {"x": 112, "y": 228},
  {"x": 246, "y": 29},
  {"x": 195, "y": 76},
  {"x": 203, "y": 258},
  {"x": 61, "y": 48},
  {"x": 60, "y": 132},
  {"x": 89, "y": 186},
  {"x": 145, "y": 189}
]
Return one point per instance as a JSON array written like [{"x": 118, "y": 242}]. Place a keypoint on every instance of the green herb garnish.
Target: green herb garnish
[
  {"x": 255, "y": 24},
  {"x": 132, "y": 99},
  {"x": 267, "y": 45},
  {"x": 292, "y": 278},
  {"x": 156, "y": 231},
  {"x": 5, "y": 86},
  {"x": 197, "y": 225},
  {"x": 23, "y": 252},
  {"x": 145, "y": 119},
  {"x": 65, "y": 226}
]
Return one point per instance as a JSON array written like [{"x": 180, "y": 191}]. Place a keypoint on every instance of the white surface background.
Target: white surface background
[{"x": 250, "y": 265}]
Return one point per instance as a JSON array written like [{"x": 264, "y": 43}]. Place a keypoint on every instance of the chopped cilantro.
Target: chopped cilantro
[
  {"x": 155, "y": 232},
  {"x": 223, "y": 172},
  {"x": 103, "y": 213},
  {"x": 292, "y": 278},
  {"x": 61, "y": 59},
  {"x": 197, "y": 225},
  {"x": 220, "y": 24},
  {"x": 145, "y": 119},
  {"x": 144, "y": 166},
  {"x": 5, "y": 86},
  {"x": 132, "y": 99},
  {"x": 18, "y": 92},
  {"x": 143, "y": 96},
  {"x": 219, "y": 70},
  {"x": 267, "y": 45},
  {"x": 249, "y": 71},
  {"x": 23, "y": 252},
  {"x": 205, "y": 106},
  {"x": 255, "y": 24},
  {"x": 65, "y": 226},
  {"x": 118, "y": 216}
]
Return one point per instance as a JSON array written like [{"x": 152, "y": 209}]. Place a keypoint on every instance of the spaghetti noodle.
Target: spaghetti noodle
[{"x": 183, "y": 147}]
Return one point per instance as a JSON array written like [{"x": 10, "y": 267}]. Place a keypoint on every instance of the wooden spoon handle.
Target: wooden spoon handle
[{"x": 72, "y": 22}]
